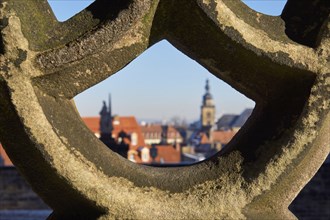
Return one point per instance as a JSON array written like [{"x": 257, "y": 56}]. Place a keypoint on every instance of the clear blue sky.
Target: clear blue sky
[{"x": 162, "y": 82}]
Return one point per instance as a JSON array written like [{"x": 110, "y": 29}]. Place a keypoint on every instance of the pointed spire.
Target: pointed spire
[
  {"x": 207, "y": 95},
  {"x": 207, "y": 87},
  {"x": 110, "y": 112}
]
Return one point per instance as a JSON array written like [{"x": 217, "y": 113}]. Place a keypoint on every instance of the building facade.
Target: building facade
[{"x": 157, "y": 134}]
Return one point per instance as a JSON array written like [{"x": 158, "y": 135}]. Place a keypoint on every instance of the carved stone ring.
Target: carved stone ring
[{"x": 282, "y": 63}]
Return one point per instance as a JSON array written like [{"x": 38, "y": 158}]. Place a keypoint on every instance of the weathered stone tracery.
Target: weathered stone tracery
[{"x": 45, "y": 63}]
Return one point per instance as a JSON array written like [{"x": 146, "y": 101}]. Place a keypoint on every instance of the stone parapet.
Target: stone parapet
[{"x": 16, "y": 193}]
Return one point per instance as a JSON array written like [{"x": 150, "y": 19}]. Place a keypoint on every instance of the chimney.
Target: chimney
[{"x": 164, "y": 134}]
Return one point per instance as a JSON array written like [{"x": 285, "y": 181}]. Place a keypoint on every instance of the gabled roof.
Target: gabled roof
[
  {"x": 226, "y": 121},
  {"x": 242, "y": 118},
  {"x": 204, "y": 139},
  {"x": 4, "y": 157},
  {"x": 234, "y": 121}
]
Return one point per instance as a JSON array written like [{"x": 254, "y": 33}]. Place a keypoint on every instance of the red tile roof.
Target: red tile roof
[
  {"x": 93, "y": 123},
  {"x": 167, "y": 154},
  {"x": 5, "y": 158},
  {"x": 204, "y": 139},
  {"x": 128, "y": 124},
  {"x": 223, "y": 136}
]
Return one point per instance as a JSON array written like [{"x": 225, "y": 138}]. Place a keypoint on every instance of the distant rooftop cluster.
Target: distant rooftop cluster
[
  {"x": 161, "y": 143},
  {"x": 137, "y": 141}
]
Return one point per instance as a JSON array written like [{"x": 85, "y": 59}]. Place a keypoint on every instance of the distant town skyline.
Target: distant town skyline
[{"x": 162, "y": 82}]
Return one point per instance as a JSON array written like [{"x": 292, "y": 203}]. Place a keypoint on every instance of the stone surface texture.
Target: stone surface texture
[{"x": 280, "y": 62}]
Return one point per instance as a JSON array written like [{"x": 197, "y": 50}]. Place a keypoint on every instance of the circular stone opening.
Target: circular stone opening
[{"x": 164, "y": 110}]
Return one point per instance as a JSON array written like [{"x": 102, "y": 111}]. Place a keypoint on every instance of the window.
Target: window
[
  {"x": 134, "y": 139},
  {"x": 145, "y": 155}
]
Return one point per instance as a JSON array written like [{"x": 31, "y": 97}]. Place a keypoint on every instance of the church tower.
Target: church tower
[{"x": 207, "y": 110}]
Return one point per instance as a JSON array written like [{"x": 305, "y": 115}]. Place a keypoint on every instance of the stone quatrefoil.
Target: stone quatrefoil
[{"x": 280, "y": 62}]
